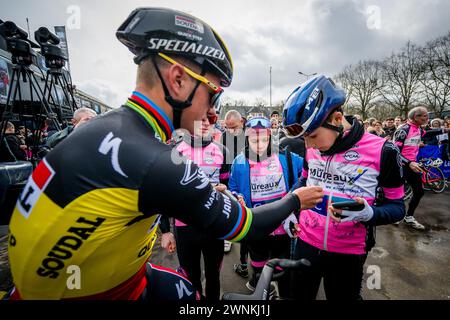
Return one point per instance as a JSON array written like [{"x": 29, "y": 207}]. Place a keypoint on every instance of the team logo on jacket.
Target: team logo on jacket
[
  {"x": 272, "y": 166},
  {"x": 197, "y": 176},
  {"x": 351, "y": 155},
  {"x": 189, "y": 23},
  {"x": 35, "y": 186}
]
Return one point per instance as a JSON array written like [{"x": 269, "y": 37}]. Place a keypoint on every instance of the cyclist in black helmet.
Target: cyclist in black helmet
[{"x": 94, "y": 202}]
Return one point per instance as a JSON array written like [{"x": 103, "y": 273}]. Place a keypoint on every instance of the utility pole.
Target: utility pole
[
  {"x": 28, "y": 27},
  {"x": 270, "y": 85}
]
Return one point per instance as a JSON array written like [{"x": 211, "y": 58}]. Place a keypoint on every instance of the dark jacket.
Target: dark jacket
[{"x": 10, "y": 149}]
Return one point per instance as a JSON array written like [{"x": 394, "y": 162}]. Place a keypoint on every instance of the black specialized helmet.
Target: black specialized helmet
[{"x": 148, "y": 31}]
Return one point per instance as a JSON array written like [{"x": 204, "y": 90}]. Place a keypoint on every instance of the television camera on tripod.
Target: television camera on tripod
[{"x": 32, "y": 100}]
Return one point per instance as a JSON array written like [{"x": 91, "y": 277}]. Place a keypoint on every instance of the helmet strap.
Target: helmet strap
[
  {"x": 339, "y": 129},
  {"x": 177, "y": 105},
  {"x": 343, "y": 143}
]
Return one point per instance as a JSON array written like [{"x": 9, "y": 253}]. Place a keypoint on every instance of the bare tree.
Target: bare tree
[
  {"x": 260, "y": 102},
  {"x": 401, "y": 74},
  {"x": 343, "y": 80},
  {"x": 366, "y": 82},
  {"x": 436, "y": 77}
]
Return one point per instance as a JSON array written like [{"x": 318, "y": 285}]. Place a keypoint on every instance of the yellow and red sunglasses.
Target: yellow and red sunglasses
[{"x": 216, "y": 91}]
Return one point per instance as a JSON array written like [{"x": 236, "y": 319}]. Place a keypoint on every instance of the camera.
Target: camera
[
  {"x": 54, "y": 56},
  {"x": 17, "y": 43}
]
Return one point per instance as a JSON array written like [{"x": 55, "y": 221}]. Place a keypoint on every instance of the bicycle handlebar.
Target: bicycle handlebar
[
  {"x": 262, "y": 288},
  {"x": 288, "y": 264}
]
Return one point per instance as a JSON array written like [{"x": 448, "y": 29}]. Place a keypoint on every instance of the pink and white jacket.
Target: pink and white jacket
[{"x": 371, "y": 165}]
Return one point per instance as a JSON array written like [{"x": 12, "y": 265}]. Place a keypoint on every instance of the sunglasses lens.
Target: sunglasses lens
[
  {"x": 293, "y": 131},
  {"x": 215, "y": 101},
  {"x": 212, "y": 119}
]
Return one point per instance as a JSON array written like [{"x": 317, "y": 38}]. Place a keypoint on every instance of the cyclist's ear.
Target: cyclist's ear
[
  {"x": 336, "y": 118},
  {"x": 178, "y": 82}
]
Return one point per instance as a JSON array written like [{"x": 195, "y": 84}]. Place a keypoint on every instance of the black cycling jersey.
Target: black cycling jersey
[{"x": 95, "y": 201}]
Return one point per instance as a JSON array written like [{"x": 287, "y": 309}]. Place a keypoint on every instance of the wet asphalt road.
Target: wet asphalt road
[{"x": 412, "y": 264}]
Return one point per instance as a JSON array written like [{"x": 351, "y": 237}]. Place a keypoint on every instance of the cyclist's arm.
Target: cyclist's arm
[
  {"x": 392, "y": 208},
  {"x": 400, "y": 136},
  {"x": 184, "y": 192},
  {"x": 399, "y": 140},
  {"x": 432, "y": 133}
]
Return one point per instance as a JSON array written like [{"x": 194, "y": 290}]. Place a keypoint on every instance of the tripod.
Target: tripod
[
  {"x": 16, "y": 104},
  {"x": 55, "y": 76}
]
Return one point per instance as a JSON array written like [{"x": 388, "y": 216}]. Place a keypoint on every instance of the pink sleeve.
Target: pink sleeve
[{"x": 394, "y": 193}]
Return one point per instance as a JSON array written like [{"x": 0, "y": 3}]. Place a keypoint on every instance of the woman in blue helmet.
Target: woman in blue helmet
[
  {"x": 350, "y": 165},
  {"x": 261, "y": 175}
]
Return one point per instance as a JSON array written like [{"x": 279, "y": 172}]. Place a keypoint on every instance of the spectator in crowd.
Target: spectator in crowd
[
  {"x": 389, "y": 128},
  {"x": 371, "y": 121},
  {"x": 274, "y": 128},
  {"x": 447, "y": 122},
  {"x": 259, "y": 176},
  {"x": 234, "y": 137},
  {"x": 275, "y": 115},
  {"x": 22, "y": 135},
  {"x": 376, "y": 129},
  {"x": 366, "y": 125},
  {"x": 432, "y": 140},
  {"x": 80, "y": 116},
  {"x": 11, "y": 148},
  {"x": 408, "y": 138},
  {"x": 398, "y": 121}
]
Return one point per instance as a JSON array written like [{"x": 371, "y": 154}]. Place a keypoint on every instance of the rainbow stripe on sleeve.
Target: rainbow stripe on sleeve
[{"x": 242, "y": 225}]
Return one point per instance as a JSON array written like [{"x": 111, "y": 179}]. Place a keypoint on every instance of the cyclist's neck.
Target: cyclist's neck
[{"x": 157, "y": 97}]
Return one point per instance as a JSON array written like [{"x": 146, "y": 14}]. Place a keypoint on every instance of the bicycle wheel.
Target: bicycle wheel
[
  {"x": 408, "y": 192},
  {"x": 436, "y": 180},
  {"x": 426, "y": 186}
]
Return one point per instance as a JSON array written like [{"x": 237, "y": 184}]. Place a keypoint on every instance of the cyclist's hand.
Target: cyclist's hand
[
  {"x": 220, "y": 187},
  {"x": 415, "y": 167},
  {"x": 168, "y": 242},
  {"x": 241, "y": 200},
  {"x": 309, "y": 196},
  {"x": 361, "y": 216}
]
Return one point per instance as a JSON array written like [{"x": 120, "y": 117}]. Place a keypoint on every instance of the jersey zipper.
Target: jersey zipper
[{"x": 325, "y": 237}]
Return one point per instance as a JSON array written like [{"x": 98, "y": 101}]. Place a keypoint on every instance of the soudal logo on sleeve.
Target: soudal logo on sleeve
[
  {"x": 189, "y": 23},
  {"x": 38, "y": 181}
]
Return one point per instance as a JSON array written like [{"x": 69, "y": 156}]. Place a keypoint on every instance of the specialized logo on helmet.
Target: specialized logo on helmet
[
  {"x": 189, "y": 23},
  {"x": 198, "y": 175},
  {"x": 312, "y": 97},
  {"x": 185, "y": 47},
  {"x": 351, "y": 155}
]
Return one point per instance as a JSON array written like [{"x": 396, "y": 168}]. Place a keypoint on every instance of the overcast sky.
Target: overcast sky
[{"x": 310, "y": 36}]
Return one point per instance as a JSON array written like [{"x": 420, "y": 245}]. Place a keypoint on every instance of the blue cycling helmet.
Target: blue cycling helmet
[{"x": 308, "y": 106}]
